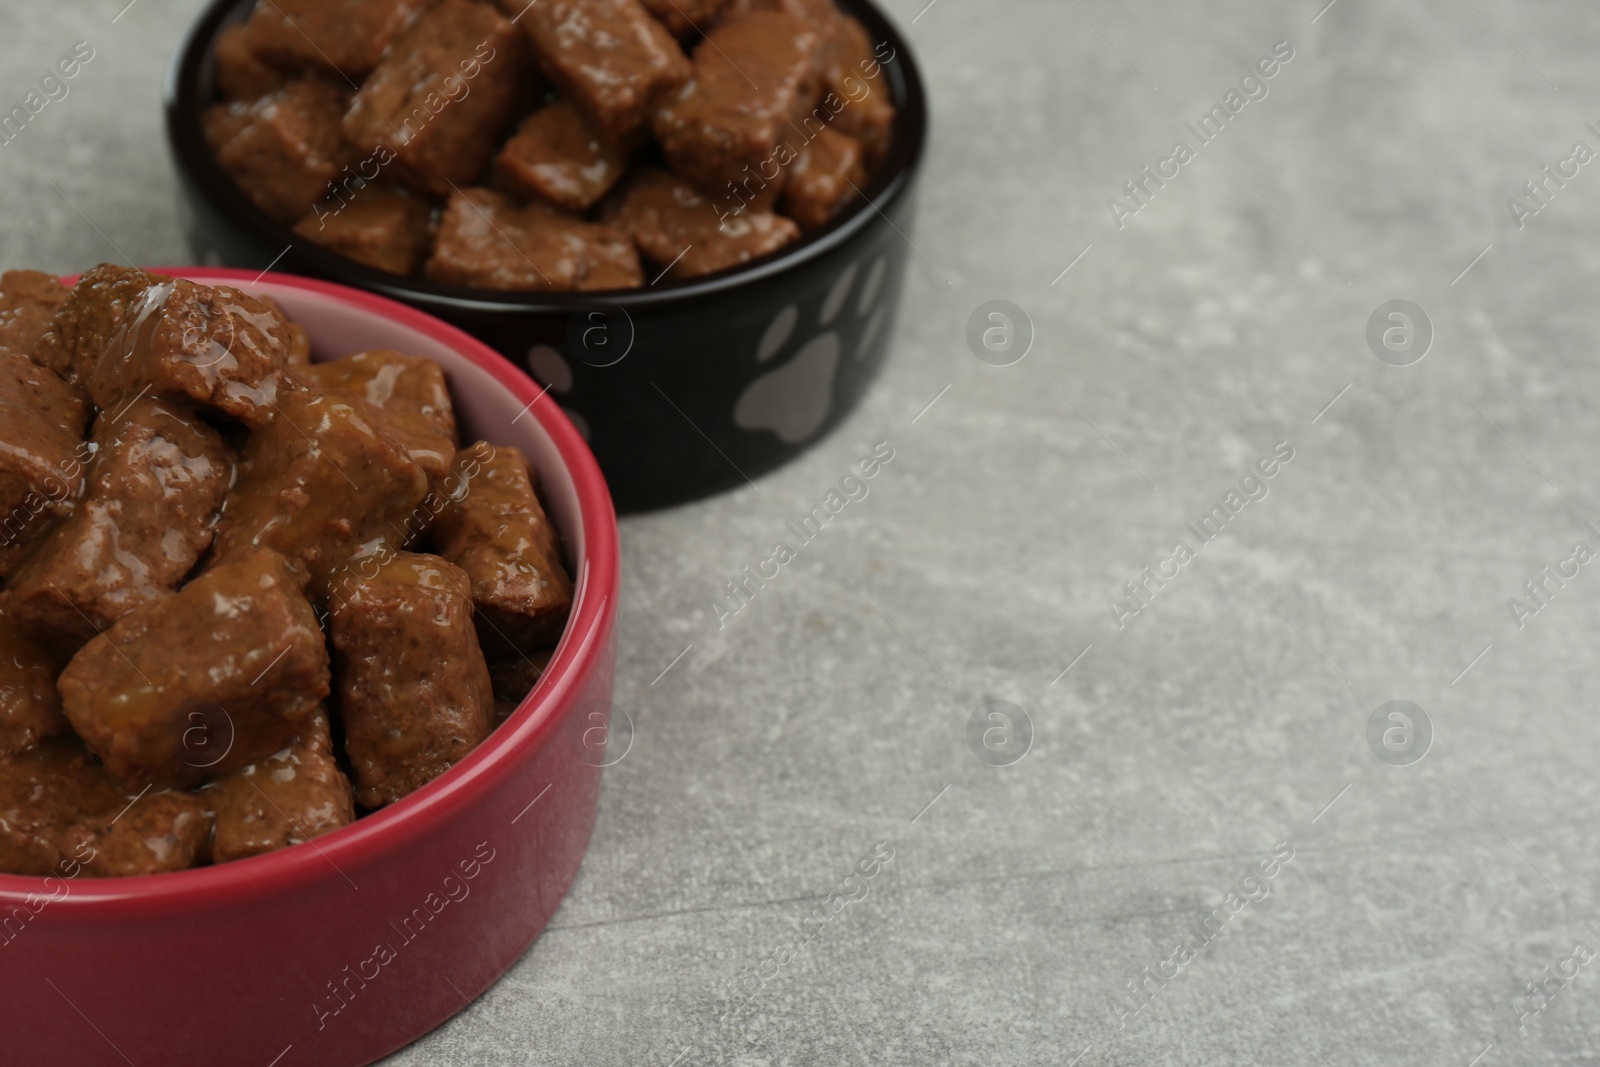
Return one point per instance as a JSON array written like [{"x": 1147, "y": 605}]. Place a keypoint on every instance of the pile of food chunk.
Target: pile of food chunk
[
  {"x": 550, "y": 144},
  {"x": 243, "y": 597}
]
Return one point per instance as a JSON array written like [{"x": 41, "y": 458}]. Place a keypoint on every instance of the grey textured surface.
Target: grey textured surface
[{"x": 1221, "y": 720}]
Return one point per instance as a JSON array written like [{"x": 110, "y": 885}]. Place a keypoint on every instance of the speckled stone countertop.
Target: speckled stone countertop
[{"x": 1105, "y": 899}]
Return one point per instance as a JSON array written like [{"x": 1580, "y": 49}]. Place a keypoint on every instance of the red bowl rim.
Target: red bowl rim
[{"x": 582, "y": 647}]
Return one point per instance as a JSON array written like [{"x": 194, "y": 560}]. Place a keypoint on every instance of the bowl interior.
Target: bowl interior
[{"x": 496, "y": 403}]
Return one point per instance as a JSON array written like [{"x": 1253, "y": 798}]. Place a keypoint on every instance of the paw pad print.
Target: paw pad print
[
  {"x": 548, "y": 366},
  {"x": 794, "y": 399}
]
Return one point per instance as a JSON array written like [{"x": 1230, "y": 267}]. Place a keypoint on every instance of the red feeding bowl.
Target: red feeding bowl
[{"x": 337, "y": 952}]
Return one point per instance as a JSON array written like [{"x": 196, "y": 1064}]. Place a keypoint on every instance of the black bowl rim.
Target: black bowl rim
[{"x": 184, "y": 106}]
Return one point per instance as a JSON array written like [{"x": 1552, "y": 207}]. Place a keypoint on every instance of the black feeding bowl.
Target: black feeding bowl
[{"x": 683, "y": 388}]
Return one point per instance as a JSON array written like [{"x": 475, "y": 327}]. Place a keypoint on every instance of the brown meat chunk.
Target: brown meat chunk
[
  {"x": 344, "y": 38},
  {"x": 720, "y": 129},
  {"x": 823, "y": 16},
  {"x": 429, "y": 449},
  {"x": 202, "y": 683},
  {"x": 487, "y": 241},
  {"x": 392, "y": 381},
  {"x": 494, "y": 530},
  {"x": 821, "y": 177},
  {"x": 558, "y": 156},
  {"x": 755, "y": 194},
  {"x": 148, "y": 510},
  {"x": 285, "y": 149},
  {"x": 213, "y": 344},
  {"x": 413, "y": 687},
  {"x": 30, "y": 707},
  {"x": 668, "y": 218},
  {"x": 859, "y": 96},
  {"x": 609, "y": 56},
  {"x": 42, "y": 454},
  {"x": 685, "y": 17},
  {"x": 43, "y": 791},
  {"x": 299, "y": 346},
  {"x": 158, "y": 832},
  {"x": 90, "y": 317},
  {"x": 442, "y": 98},
  {"x": 241, "y": 73},
  {"x": 822, "y": 13},
  {"x": 514, "y": 679},
  {"x": 299, "y": 340},
  {"x": 28, "y": 302},
  {"x": 411, "y": 396},
  {"x": 44, "y": 392},
  {"x": 293, "y": 795},
  {"x": 385, "y": 228},
  {"x": 323, "y": 479}
]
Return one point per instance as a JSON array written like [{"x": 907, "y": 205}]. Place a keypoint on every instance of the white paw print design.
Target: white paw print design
[
  {"x": 793, "y": 400},
  {"x": 548, "y": 366}
]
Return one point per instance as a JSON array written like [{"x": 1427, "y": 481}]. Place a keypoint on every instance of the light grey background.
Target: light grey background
[{"x": 1224, "y": 718}]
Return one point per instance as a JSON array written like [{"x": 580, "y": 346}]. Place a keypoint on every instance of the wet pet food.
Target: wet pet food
[
  {"x": 557, "y": 145},
  {"x": 245, "y": 597}
]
